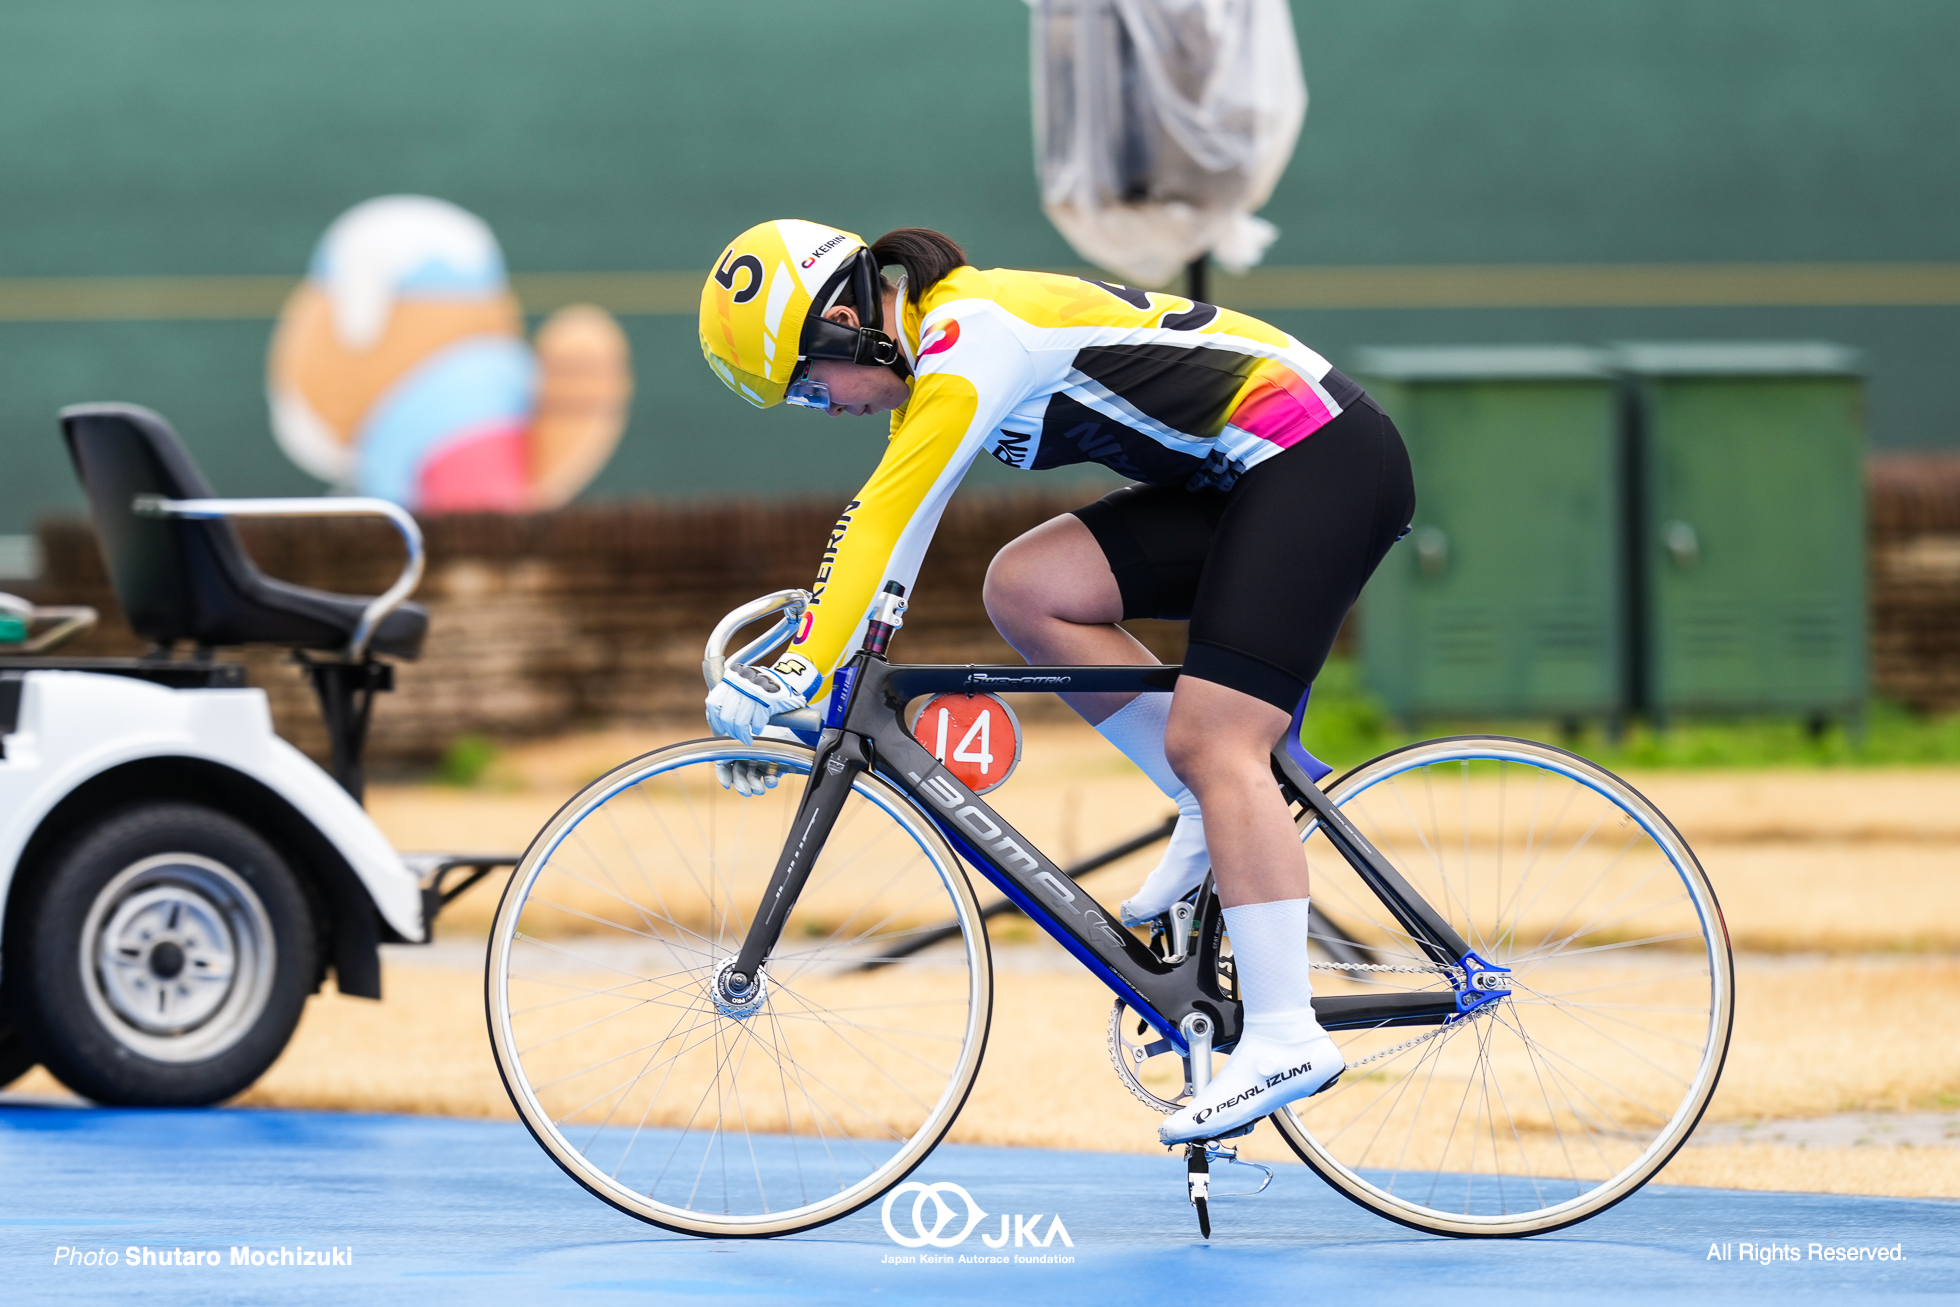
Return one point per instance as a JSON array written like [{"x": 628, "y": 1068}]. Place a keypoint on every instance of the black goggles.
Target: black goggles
[{"x": 866, "y": 345}]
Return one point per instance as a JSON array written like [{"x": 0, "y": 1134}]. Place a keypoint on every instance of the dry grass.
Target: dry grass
[
  {"x": 1843, "y": 1036},
  {"x": 1897, "y": 1172}
]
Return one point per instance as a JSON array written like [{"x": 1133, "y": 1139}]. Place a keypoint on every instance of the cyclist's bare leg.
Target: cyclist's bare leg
[
  {"x": 1220, "y": 741},
  {"x": 1052, "y": 596}
]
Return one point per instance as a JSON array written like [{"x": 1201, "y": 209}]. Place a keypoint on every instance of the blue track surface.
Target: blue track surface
[{"x": 440, "y": 1211}]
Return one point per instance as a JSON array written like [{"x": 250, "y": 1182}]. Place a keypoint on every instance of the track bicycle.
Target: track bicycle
[{"x": 747, "y": 1016}]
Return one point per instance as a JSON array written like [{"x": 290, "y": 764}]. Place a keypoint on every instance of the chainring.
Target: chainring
[{"x": 1128, "y": 1056}]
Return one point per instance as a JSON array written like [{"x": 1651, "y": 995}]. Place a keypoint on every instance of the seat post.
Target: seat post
[{"x": 346, "y": 692}]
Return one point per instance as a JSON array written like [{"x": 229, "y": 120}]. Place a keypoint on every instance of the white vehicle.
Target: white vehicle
[{"x": 177, "y": 878}]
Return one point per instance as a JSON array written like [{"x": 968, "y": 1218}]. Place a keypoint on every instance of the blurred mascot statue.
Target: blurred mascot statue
[{"x": 399, "y": 369}]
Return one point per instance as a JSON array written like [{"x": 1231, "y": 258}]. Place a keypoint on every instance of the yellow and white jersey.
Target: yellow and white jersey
[{"x": 1039, "y": 370}]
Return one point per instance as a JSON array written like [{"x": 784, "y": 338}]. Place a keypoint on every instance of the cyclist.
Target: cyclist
[{"x": 1268, "y": 487}]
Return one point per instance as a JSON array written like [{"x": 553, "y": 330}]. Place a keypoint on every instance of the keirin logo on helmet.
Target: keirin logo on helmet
[{"x": 931, "y": 1229}]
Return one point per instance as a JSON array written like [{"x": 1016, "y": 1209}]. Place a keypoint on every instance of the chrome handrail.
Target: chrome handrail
[
  {"x": 322, "y": 506},
  {"x": 715, "y": 659}
]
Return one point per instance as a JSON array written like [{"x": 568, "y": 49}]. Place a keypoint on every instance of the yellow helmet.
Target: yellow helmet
[{"x": 757, "y": 326}]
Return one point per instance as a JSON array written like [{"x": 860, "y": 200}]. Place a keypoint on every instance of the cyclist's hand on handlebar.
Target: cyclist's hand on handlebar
[
  {"x": 749, "y": 696},
  {"x": 749, "y": 777}
]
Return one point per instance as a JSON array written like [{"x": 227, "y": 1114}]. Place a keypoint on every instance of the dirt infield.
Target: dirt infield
[{"x": 1840, "y": 890}]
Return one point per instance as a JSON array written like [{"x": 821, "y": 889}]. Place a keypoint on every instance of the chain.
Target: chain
[
  {"x": 1370, "y": 966},
  {"x": 1407, "y": 1044}
]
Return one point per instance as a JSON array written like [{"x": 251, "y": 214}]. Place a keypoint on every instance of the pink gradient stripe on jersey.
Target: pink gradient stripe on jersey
[{"x": 1281, "y": 406}]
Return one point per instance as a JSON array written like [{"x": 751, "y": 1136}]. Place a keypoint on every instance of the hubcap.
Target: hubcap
[
  {"x": 177, "y": 957},
  {"x": 167, "y": 959}
]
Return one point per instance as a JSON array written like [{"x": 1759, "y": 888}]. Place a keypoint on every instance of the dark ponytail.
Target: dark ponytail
[{"x": 926, "y": 255}]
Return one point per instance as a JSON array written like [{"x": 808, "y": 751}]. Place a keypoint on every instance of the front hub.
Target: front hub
[{"x": 739, "y": 997}]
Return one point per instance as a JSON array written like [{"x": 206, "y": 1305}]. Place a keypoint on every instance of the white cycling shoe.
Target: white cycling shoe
[
  {"x": 1262, "y": 1076},
  {"x": 1181, "y": 870}
]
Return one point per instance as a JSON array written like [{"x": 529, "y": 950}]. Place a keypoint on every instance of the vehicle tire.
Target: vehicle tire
[
  {"x": 659, "y": 1096},
  {"x": 1567, "y": 1093},
  {"x": 15, "y": 1058},
  {"x": 160, "y": 957}
]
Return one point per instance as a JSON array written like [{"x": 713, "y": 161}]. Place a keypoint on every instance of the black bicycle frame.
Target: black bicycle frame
[{"x": 865, "y": 732}]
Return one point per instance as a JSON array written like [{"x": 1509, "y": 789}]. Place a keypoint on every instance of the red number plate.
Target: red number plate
[{"x": 975, "y": 736}]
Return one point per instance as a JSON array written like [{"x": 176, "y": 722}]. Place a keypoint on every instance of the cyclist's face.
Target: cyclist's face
[{"x": 859, "y": 390}]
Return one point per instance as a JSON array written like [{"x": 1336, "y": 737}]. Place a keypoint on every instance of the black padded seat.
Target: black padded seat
[{"x": 186, "y": 579}]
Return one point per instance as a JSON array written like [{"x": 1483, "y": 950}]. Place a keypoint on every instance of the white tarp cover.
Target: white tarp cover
[{"x": 1161, "y": 125}]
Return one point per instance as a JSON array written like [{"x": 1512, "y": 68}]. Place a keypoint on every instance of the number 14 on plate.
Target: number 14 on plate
[{"x": 974, "y": 736}]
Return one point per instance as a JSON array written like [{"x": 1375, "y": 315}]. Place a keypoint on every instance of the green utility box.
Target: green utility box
[
  {"x": 1750, "y": 507},
  {"x": 1506, "y": 599}
]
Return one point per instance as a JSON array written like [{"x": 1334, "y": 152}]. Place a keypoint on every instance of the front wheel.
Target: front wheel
[
  {"x": 652, "y": 1089},
  {"x": 1564, "y": 1096}
]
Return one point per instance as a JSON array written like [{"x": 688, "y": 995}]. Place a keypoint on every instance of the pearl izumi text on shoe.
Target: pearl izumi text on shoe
[
  {"x": 1137, "y": 731},
  {"x": 1262, "y": 1076}
]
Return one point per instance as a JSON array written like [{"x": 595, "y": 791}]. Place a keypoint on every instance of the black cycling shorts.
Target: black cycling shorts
[{"x": 1265, "y": 572}]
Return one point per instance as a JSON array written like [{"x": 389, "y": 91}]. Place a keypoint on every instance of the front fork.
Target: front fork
[{"x": 841, "y": 755}]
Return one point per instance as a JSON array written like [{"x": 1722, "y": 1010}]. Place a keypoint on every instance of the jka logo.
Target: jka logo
[{"x": 934, "y": 1225}]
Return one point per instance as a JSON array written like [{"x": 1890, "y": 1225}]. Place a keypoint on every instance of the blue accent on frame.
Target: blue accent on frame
[
  {"x": 1039, "y": 914},
  {"x": 840, "y": 697},
  {"x": 1314, "y": 767}
]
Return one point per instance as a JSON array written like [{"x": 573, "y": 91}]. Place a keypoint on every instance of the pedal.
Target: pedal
[
  {"x": 1197, "y": 1183},
  {"x": 1175, "y": 924},
  {"x": 1216, "y": 1151}
]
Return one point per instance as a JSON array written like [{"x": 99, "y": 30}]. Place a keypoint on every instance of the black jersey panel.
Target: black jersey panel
[
  {"x": 1190, "y": 319},
  {"x": 1072, "y": 432},
  {"x": 1187, "y": 389},
  {"x": 1342, "y": 388}
]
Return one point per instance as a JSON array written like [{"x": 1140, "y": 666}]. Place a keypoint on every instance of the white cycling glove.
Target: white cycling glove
[
  {"x": 749, "y": 777},
  {"x": 749, "y": 696}
]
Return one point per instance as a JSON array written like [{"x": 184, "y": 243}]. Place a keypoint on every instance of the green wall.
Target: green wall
[{"x": 208, "y": 137}]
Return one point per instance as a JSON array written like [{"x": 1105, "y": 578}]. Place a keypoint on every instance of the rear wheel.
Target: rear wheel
[
  {"x": 674, "y": 1103},
  {"x": 1552, "y": 1103},
  {"x": 160, "y": 957}
]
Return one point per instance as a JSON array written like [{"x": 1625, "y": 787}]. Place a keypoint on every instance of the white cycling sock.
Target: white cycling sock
[
  {"x": 1283, "y": 1053},
  {"x": 1269, "y": 950},
  {"x": 1137, "y": 730}
]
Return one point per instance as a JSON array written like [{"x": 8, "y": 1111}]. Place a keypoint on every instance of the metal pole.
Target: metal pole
[{"x": 1194, "y": 280}]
